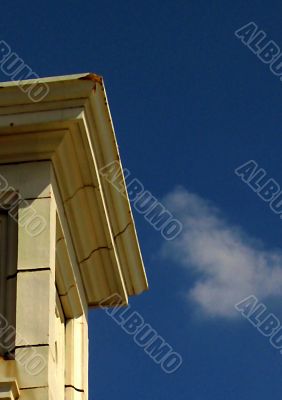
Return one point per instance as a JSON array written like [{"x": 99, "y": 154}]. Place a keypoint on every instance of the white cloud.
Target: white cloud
[{"x": 229, "y": 264}]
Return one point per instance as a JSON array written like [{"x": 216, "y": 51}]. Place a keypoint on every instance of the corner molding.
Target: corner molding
[{"x": 9, "y": 389}]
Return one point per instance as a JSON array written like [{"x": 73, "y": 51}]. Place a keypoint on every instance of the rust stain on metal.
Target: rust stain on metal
[{"x": 94, "y": 78}]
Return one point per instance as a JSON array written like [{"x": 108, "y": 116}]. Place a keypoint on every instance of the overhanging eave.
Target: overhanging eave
[{"x": 72, "y": 126}]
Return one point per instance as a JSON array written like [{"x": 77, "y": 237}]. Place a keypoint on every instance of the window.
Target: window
[{"x": 8, "y": 282}]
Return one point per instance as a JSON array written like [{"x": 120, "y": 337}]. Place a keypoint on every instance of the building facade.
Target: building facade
[{"x": 67, "y": 236}]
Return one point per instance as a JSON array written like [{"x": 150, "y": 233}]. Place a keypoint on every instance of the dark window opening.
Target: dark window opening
[{"x": 8, "y": 283}]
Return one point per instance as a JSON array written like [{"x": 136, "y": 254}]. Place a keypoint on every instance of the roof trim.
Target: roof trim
[{"x": 76, "y": 107}]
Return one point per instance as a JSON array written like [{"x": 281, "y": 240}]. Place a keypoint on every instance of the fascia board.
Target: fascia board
[{"x": 103, "y": 138}]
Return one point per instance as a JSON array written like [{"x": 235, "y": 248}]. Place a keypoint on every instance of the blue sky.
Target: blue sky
[{"x": 190, "y": 104}]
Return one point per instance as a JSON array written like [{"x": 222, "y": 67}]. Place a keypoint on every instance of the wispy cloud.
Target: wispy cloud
[{"x": 229, "y": 264}]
